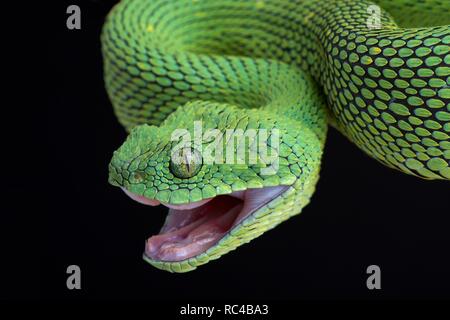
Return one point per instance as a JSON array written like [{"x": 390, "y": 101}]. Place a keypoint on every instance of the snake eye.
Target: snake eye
[{"x": 185, "y": 162}]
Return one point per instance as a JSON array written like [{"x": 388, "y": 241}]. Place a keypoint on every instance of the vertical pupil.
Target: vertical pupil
[{"x": 187, "y": 159}]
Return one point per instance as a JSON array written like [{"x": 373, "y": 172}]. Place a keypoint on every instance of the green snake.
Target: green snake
[{"x": 282, "y": 71}]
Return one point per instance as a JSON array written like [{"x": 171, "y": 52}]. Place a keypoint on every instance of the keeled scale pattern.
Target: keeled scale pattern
[{"x": 387, "y": 90}]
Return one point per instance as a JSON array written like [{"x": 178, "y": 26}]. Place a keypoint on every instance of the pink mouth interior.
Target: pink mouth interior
[{"x": 191, "y": 229}]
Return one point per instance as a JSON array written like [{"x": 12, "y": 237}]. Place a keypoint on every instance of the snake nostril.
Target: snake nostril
[{"x": 185, "y": 162}]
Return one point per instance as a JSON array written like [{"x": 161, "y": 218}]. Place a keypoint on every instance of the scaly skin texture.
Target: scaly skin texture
[{"x": 275, "y": 64}]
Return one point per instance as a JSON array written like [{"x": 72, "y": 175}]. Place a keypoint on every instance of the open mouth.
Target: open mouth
[{"x": 191, "y": 229}]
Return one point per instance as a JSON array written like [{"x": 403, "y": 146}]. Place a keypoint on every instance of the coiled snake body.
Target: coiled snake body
[{"x": 379, "y": 74}]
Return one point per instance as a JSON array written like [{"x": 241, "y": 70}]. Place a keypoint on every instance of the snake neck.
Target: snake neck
[{"x": 165, "y": 59}]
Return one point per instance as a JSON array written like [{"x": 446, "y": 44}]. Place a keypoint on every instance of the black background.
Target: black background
[{"x": 362, "y": 213}]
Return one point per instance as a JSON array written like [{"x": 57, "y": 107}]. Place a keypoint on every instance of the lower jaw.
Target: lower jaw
[
  {"x": 191, "y": 233},
  {"x": 196, "y": 236}
]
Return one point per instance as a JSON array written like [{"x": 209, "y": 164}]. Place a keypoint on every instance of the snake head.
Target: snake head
[{"x": 219, "y": 169}]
